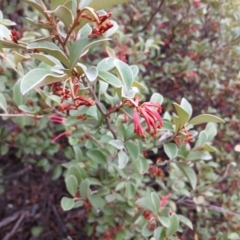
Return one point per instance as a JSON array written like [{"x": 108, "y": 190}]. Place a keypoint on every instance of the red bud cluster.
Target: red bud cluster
[
  {"x": 111, "y": 233},
  {"x": 155, "y": 171},
  {"x": 102, "y": 24},
  {"x": 15, "y": 35},
  {"x": 150, "y": 112}
]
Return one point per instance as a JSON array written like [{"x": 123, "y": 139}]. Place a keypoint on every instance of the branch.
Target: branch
[
  {"x": 151, "y": 18},
  {"x": 98, "y": 104}
]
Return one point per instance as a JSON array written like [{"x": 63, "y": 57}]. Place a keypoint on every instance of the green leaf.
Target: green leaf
[
  {"x": 170, "y": 149},
  {"x": 78, "y": 48},
  {"x": 198, "y": 155},
  {"x": 38, "y": 77},
  {"x": 167, "y": 125},
  {"x": 185, "y": 221},
  {"x": 36, "y": 231},
  {"x": 106, "y": 64},
  {"x": 155, "y": 200},
  {"x": 110, "y": 78},
  {"x": 130, "y": 190},
  {"x": 146, "y": 232},
  {"x": 6, "y": 44},
  {"x": 48, "y": 59},
  {"x": 64, "y": 14},
  {"x": 97, "y": 156},
  {"x": 27, "y": 109},
  {"x": 96, "y": 201},
  {"x": 75, "y": 171},
  {"x": 183, "y": 115},
  {"x": 94, "y": 181},
  {"x": 67, "y": 203},
  {"x": 78, "y": 203},
  {"x": 204, "y": 118},
  {"x": 50, "y": 48},
  {"x": 186, "y": 106},
  {"x": 72, "y": 184},
  {"x": 146, "y": 203},
  {"x": 91, "y": 73},
  {"x": 209, "y": 148},
  {"x": 125, "y": 73},
  {"x": 84, "y": 3},
  {"x": 7, "y": 22},
  {"x": 158, "y": 234},
  {"x": 3, "y": 103},
  {"x": 57, "y": 172},
  {"x": 122, "y": 159},
  {"x": 164, "y": 221},
  {"x": 156, "y": 97},
  {"x": 40, "y": 25},
  {"x": 97, "y": 5},
  {"x": 55, "y": 3},
  {"x": 202, "y": 139},
  {"x": 117, "y": 144},
  {"x": 84, "y": 188},
  {"x": 142, "y": 165},
  {"x": 211, "y": 130},
  {"x": 174, "y": 225},
  {"x": 133, "y": 149},
  {"x": 35, "y": 5},
  {"x": 233, "y": 236},
  {"x": 189, "y": 173}
]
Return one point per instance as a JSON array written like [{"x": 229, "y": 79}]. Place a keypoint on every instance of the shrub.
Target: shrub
[{"x": 97, "y": 100}]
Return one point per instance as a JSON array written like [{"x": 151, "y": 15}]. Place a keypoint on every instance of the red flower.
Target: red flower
[
  {"x": 164, "y": 200},
  {"x": 103, "y": 24},
  {"x": 150, "y": 112}
]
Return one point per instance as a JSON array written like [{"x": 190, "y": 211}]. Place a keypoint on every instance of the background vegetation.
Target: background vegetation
[{"x": 184, "y": 49}]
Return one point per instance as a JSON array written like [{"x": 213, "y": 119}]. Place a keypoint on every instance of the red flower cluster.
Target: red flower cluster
[
  {"x": 102, "y": 24},
  {"x": 15, "y": 35},
  {"x": 155, "y": 171},
  {"x": 111, "y": 233},
  {"x": 66, "y": 94},
  {"x": 187, "y": 137},
  {"x": 164, "y": 200},
  {"x": 151, "y": 220},
  {"x": 151, "y": 116}
]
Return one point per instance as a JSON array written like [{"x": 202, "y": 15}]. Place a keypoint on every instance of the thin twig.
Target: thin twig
[
  {"x": 12, "y": 232},
  {"x": 20, "y": 115},
  {"x": 98, "y": 104},
  {"x": 151, "y": 18},
  {"x": 212, "y": 207},
  {"x": 11, "y": 64},
  {"x": 10, "y": 219}
]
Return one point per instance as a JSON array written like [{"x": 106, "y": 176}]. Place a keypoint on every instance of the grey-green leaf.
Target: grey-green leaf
[
  {"x": 183, "y": 115},
  {"x": 170, "y": 149},
  {"x": 110, "y": 78},
  {"x": 125, "y": 73},
  {"x": 38, "y": 77},
  {"x": 50, "y": 48},
  {"x": 189, "y": 173},
  {"x": 174, "y": 225},
  {"x": 78, "y": 48},
  {"x": 84, "y": 188},
  {"x": 3, "y": 103},
  {"x": 186, "y": 106},
  {"x": 72, "y": 184},
  {"x": 67, "y": 203},
  {"x": 156, "y": 97},
  {"x": 97, "y": 5},
  {"x": 204, "y": 118},
  {"x": 117, "y": 143},
  {"x": 122, "y": 159}
]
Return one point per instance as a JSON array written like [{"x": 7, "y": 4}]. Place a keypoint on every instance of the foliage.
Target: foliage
[{"x": 97, "y": 99}]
